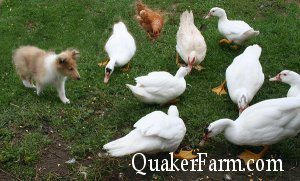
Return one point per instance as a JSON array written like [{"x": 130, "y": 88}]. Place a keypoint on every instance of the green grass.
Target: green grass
[{"x": 99, "y": 113}]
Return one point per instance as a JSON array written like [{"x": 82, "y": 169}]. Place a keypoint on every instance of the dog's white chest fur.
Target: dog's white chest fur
[{"x": 51, "y": 76}]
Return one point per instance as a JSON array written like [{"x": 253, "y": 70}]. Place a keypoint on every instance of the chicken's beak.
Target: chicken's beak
[
  {"x": 191, "y": 63},
  {"x": 190, "y": 67},
  {"x": 208, "y": 16},
  {"x": 276, "y": 78},
  {"x": 106, "y": 78}
]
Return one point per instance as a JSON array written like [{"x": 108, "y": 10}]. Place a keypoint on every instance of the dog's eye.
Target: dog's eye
[{"x": 70, "y": 68}]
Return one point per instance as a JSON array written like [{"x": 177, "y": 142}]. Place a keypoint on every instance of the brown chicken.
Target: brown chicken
[{"x": 150, "y": 20}]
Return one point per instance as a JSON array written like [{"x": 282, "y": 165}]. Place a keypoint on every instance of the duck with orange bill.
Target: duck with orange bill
[
  {"x": 236, "y": 32},
  {"x": 244, "y": 77},
  {"x": 153, "y": 133},
  {"x": 160, "y": 87},
  {"x": 120, "y": 48},
  {"x": 262, "y": 124},
  {"x": 289, "y": 77}
]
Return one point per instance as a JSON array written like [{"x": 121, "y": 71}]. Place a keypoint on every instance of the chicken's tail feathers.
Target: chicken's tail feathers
[{"x": 186, "y": 18}]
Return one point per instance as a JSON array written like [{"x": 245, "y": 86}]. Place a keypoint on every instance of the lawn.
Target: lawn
[{"x": 39, "y": 134}]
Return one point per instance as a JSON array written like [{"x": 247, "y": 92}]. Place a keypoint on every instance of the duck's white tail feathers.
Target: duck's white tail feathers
[
  {"x": 137, "y": 90},
  {"x": 131, "y": 87},
  {"x": 250, "y": 34},
  {"x": 186, "y": 19},
  {"x": 123, "y": 146},
  {"x": 119, "y": 27},
  {"x": 253, "y": 51}
]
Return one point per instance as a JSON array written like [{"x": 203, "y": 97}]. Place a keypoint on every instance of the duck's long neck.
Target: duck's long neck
[
  {"x": 223, "y": 18},
  {"x": 228, "y": 127},
  {"x": 295, "y": 81},
  {"x": 111, "y": 63},
  {"x": 222, "y": 125},
  {"x": 180, "y": 74}
]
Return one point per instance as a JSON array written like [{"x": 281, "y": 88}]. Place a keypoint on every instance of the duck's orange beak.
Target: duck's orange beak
[
  {"x": 106, "y": 78},
  {"x": 276, "y": 78},
  {"x": 208, "y": 16},
  {"x": 204, "y": 139}
]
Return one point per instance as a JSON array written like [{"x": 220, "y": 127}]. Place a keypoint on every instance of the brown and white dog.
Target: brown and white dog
[{"x": 46, "y": 68}]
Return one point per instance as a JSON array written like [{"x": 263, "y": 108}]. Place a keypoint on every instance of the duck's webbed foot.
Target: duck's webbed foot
[{"x": 220, "y": 89}]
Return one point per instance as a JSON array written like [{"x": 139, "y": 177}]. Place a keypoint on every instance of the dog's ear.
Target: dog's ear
[
  {"x": 75, "y": 53},
  {"x": 61, "y": 60}
]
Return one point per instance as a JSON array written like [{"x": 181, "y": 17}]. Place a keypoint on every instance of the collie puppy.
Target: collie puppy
[{"x": 44, "y": 67}]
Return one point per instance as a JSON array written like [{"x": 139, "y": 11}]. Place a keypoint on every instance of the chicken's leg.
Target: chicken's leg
[
  {"x": 178, "y": 60},
  {"x": 198, "y": 67}
]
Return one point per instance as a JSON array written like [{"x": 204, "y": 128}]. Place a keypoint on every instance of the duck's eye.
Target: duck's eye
[
  {"x": 284, "y": 74},
  {"x": 71, "y": 69},
  {"x": 213, "y": 11}
]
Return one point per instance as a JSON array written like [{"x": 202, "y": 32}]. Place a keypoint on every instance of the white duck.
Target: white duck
[
  {"x": 153, "y": 133},
  {"x": 244, "y": 77},
  {"x": 190, "y": 45},
  {"x": 120, "y": 48},
  {"x": 292, "y": 78},
  {"x": 262, "y": 124},
  {"x": 160, "y": 87},
  {"x": 235, "y": 31}
]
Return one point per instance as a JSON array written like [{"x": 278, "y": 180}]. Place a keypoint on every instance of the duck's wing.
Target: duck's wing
[
  {"x": 236, "y": 27},
  {"x": 267, "y": 122},
  {"x": 155, "y": 82},
  {"x": 274, "y": 109},
  {"x": 159, "y": 124}
]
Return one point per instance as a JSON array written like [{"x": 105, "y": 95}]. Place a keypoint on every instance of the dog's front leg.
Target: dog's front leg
[
  {"x": 39, "y": 88},
  {"x": 60, "y": 87}
]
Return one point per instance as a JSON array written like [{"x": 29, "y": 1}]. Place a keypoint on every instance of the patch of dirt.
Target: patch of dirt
[
  {"x": 293, "y": 1},
  {"x": 29, "y": 24},
  {"x": 53, "y": 160},
  {"x": 271, "y": 4},
  {"x": 5, "y": 176},
  {"x": 172, "y": 10}
]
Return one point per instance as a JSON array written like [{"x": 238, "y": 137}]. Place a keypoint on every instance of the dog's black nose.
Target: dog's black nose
[{"x": 78, "y": 78}]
